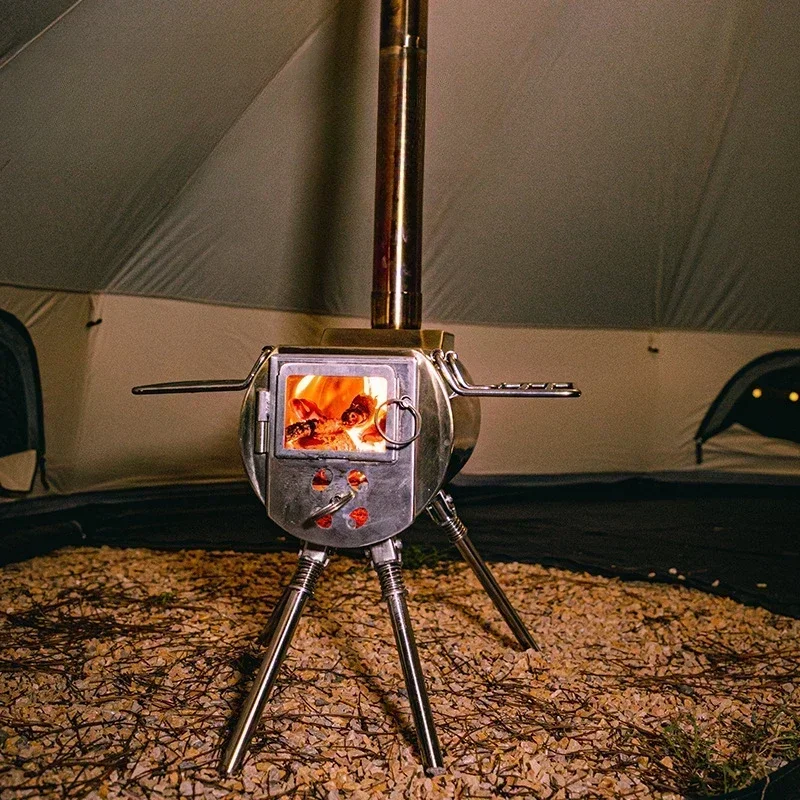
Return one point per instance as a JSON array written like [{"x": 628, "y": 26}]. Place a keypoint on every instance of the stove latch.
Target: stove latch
[{"x": 406, "y": 404}]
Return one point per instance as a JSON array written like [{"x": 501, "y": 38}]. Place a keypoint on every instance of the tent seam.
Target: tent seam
[
  {"x": 120, "y": 271},
  {"x": 433, "y": 323},
  {"x": 41, "y": 33}
]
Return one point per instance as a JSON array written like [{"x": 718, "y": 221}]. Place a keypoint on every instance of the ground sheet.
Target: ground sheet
[{"x": 121, "y": 670}]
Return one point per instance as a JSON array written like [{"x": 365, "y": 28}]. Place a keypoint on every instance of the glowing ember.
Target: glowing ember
[
  {"x": 325, "y": 522},
  {"x": 359, "y": 516},
  {"x": 334, "y": 412},
  {"x": 356, "y": 479},
  {"x": 321, "y": 480}
]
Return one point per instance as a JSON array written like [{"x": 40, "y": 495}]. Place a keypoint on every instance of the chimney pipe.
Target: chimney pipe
[{"x": 397, "y": 257}]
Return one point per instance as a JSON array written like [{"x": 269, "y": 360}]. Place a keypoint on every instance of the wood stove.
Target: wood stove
[
  {"x": 348, "y": 442},
  {"x": 346, "y": 445}
]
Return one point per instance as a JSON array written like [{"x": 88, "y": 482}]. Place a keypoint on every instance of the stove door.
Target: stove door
[{"x": 342, "y": 449}]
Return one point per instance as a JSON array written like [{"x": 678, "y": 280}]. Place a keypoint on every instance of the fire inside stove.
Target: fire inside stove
[{"x": 335, "y": 412}]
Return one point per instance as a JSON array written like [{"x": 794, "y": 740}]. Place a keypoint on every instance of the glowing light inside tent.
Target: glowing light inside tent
[
  {"x": 794, "y": 396},
  {"x": 757, "y": 392}
]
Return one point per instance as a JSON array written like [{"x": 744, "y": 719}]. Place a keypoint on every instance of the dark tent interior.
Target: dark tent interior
[{"x": 264, "y": 534}]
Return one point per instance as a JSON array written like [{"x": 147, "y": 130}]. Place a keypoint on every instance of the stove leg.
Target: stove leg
[
  {"x": 265, "y": 635},
  {"x": 443, "y": 513},
  {"x": 280, "y": 629},
  {"x": 386, "y": 560}
]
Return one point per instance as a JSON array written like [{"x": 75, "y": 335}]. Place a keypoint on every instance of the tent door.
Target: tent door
[{"x": 21, "y": 417}]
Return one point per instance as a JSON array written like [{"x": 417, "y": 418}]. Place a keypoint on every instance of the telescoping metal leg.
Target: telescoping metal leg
[
  {"x": 443, "y": 513},
  {"x": 266, "y": 634},
  {"x": 385, "y": 558},
  {"x": 281, "y": 627}
]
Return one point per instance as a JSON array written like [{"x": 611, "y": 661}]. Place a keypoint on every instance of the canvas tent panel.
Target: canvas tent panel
[
  {"x": 280, "y": 214},
  {"x": 692, "y": 369},
  {"x": 107, "y": 115},
  {"x": 639, "y": 411},
  {"x": 738, "y": 269},
  {"x": 56, "y": 322},
  {"x": 591, "y": 222},
  {"x": 739, "y": 450},
  {"x": 778, "y": 373},
  {"x": 589, "y": 165},
  {"x": 582, "y": 188},
  {"x": 17, "y": 471},
  {"x": 22, "y": 441},
  {"x": 21, "y": 21}
]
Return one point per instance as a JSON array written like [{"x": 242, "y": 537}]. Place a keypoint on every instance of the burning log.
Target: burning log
[
  {"x": 359, "y": 411},
  {"x": 316, "y": 431}
]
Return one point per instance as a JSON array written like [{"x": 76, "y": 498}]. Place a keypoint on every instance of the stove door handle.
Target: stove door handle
[
  {"x": 406, "y": 403},
  {"x": 450, "y": 369},
  {"x": 184, "y": 387}
]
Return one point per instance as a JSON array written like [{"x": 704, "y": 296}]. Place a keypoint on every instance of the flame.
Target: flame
[{"x": 325, "y": 398}]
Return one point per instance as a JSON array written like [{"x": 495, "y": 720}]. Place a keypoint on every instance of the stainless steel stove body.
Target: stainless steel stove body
[{"x": 346, "y": 446}]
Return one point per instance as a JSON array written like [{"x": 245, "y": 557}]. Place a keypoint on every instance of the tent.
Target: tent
[
  {"x": 760, "y": 396},
  {"x": 611, "y": 197}
]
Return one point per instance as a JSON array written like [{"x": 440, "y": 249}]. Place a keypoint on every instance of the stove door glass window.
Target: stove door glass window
[{"x": 339, "y": 413}]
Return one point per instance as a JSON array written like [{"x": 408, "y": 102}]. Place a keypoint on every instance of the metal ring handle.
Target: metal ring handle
[
  {"x": 340, "y": 501},
  {"x": 406, "y": 404}
]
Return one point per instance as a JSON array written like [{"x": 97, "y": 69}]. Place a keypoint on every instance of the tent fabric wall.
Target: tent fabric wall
[
  {"x": 598, "y": 165},
  {"x": 610, "y": 198},
  {"x": 56, "y": 322},
  {"x": 16, "y": 470},
  {"x": 22, "y": 442},
  {"x": 639, "y": 411},
  {"x": 110, "y": 111}
]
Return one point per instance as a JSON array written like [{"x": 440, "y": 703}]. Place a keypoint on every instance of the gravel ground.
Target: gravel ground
[{"x": 120, "y": 672}]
